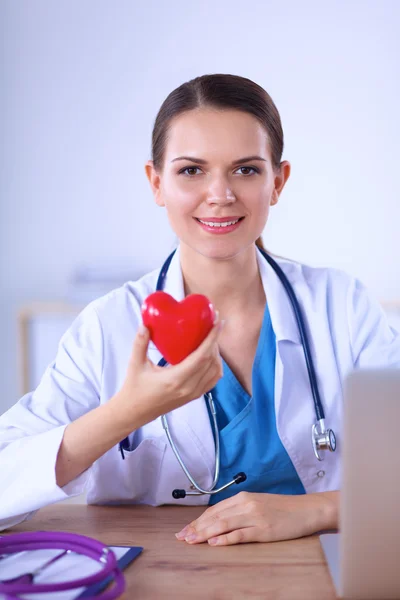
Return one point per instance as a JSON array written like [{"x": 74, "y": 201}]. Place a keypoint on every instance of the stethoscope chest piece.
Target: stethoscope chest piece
[{"x": 322, "y": 439}]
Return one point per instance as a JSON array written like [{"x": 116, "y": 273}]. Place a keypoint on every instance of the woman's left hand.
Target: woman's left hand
[{"x": 250, "y": 517}]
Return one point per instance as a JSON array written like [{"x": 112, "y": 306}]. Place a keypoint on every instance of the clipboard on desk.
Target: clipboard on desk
[
  {"x": 67, "y": 568},
  {"x": 123, "y": 560}
]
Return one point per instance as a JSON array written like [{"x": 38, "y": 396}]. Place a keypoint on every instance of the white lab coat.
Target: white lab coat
[{"x": 347, "y": 329}]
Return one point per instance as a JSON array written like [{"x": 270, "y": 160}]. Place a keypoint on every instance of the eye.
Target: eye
[
  {"x": 188, "y": 169},
  {"x": 255, "y": 169}
]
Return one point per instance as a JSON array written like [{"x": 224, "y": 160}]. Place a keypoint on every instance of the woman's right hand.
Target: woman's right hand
[{"x": 150, "y": 391}]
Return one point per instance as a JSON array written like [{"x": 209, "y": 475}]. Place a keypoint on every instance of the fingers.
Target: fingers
[
  {"x": 221, "y": 526},
  {"x": 214, "y": 524},
  {"x": 208, "y": 376},
  {"x": 196, "y": 384},
  {"x": 223, "y": 519},
  {"x": 200, "y": 371},
  {"x": 239, "y": 536},
  {"x": 140, "y": 345},
  {"x": 225, "y": 524},
  {"x": 206, "y": 349},
  {"x": 223, "y": 506}
]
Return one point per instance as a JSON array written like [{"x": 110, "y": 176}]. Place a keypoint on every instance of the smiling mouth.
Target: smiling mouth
[{"x": 218, "y": 224}]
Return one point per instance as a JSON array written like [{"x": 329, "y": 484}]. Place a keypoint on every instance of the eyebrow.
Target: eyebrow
[{"x": 201, "y": 161}]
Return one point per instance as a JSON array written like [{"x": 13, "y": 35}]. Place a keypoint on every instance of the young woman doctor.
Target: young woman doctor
[{"x": 216, "y": 167}]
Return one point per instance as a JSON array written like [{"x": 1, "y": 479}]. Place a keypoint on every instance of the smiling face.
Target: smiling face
[{"x": 218, "y": 196}]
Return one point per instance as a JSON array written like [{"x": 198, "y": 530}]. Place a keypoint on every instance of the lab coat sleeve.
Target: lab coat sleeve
[
  {"x": 374, "y": 343},
  {"x": 32, "y": 430}
]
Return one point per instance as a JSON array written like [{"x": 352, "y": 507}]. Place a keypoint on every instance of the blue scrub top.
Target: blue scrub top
[{"x": 249, "y": 440}]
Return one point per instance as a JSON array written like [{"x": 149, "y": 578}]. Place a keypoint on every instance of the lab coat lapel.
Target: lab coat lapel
[
  {"x": 282, "y": 319},
  {"x": 281, "y": 311},
  {"x": 190, "y": 424},
  {"x": 191, "y": 421},
  {"x": 293, "y": 397}
]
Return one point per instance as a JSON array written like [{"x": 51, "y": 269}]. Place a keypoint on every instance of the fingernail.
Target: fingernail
[
  {"x": 216, "y": 317},
  {"x": 221, "y": 324},
  {"x": 142, "y": 330},
  {"x": 181, "y": 534},
  {"x": 213, "y": 541},
  {"x": 191, "y": 537}
]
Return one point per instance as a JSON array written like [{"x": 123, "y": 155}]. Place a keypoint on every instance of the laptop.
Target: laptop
[{"x": 364, "y": 558}]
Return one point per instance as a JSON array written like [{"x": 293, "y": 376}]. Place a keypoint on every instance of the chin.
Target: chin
[{"x": 219, "y": 251}]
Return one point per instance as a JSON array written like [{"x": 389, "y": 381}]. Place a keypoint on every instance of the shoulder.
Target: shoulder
[
  {"x": 121, "y": 305},
  {"x": 332, "y": 293},
  {"x": 127, "y": 297},
  {"x": 352, "y": 311},
  {"x": 315, "y": 281}
]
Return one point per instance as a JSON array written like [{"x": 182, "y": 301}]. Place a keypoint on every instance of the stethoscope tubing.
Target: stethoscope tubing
[
  {"x": 321, "y": 440},
  {"x": 319, "y": 410},
  {"x": 77, "y": 543},
  {"x": 201, "y": 490}
]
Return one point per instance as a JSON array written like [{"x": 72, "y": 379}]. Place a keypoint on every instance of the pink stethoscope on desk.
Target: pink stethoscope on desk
[{"x": 69, "y": 542}]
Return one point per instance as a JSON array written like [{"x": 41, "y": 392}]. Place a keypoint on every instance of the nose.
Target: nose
[{"x": 219, "y": 192}]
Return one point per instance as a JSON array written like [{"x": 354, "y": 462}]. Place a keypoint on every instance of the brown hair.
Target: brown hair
[{"x": 223, "y": 92}]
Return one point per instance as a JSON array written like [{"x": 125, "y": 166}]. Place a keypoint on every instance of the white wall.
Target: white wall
[{"x": 81, "y": 83}]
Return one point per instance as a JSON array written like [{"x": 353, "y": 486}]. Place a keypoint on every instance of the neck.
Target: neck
[{"x": 231, "y": 285}]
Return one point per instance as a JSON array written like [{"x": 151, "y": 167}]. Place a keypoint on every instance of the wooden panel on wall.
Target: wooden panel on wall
[{"x": 40, "y": 328}]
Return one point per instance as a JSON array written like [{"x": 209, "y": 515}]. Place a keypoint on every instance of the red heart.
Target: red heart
[{"x": 177, "y": 328}]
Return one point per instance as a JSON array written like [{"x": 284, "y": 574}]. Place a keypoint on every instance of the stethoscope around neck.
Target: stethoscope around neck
[{"x": 322, "y": 438}]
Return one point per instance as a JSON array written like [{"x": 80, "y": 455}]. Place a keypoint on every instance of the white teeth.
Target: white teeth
[{"x": 219, "y": 224}]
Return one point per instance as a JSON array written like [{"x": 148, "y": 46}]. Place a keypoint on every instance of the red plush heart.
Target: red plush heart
[{"x": 177, "y": 328}]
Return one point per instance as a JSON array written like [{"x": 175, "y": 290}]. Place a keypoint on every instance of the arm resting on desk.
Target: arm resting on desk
[{"x": 250, "y": 517}]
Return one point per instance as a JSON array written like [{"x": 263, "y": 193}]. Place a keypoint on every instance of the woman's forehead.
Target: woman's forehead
[{"x": 211, "y": 131}]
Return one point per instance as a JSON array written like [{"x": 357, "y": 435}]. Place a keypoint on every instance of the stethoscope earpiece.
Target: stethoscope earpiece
[{"x": 177, "y": 494}]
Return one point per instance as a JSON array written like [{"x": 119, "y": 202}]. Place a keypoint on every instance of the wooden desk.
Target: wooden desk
[{"x": 293, "y": 570}]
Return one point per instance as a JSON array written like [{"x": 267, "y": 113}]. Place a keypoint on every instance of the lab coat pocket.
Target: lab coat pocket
[
  {"x": 134, "y": 480},
  {"x": 142, "y": 470}
]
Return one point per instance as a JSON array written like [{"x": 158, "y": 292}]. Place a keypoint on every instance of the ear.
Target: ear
[
  {"x": 281, "y": 178},
  {"x": 155, "y": 181}
]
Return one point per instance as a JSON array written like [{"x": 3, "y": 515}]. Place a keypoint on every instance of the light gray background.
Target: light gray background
[{"x": 80, "y": 86}]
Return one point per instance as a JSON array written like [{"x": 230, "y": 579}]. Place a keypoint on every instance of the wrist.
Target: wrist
[
  {"x": 329, "y": 513},
  {"x": 126, "y": 414}
]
